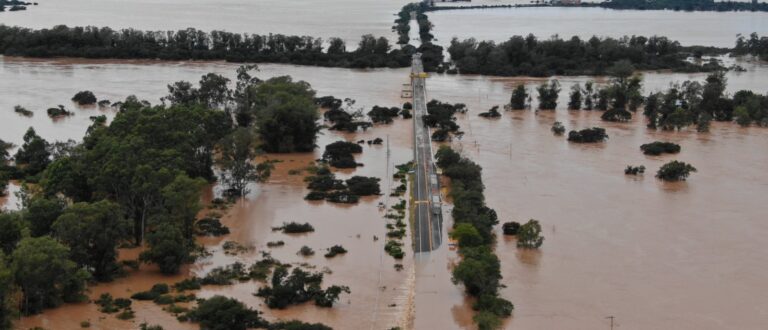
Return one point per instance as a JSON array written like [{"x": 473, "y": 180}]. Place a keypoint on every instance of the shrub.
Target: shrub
[
  {"x": 84, "y": 98},
  {"x": 58, "y": 112},
  {"x": 529, "y": 235},
  {"x": 335, "y": 250},
  {"x": 222, "y": 313},
  {"x": 187, "y": 284},
  {"x": 275, "y": 244},
  {"x": 675, "y": 171},
  {"x": 558, "y": 128},
  {"x": 589, "y": 135},
  {"x": 492, "y": 113},
  {"x": 394, "y": 249},
  {"x": 210, "y": 227},
  {"x": 511, "y": 228},
  {"x": 306, "y": 251},
  {"x": 363, "y": 186},
  {"x": 23, "y": 111},
  {"x": 634, "y": 170},
  {"x": 657, "y": 148},
  {"x": 297, "y": 228}
]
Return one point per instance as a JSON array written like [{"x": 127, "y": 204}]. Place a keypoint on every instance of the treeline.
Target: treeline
[
  {"x": 479, "y": 269},
  {"x": 687, "y": 5},
  {"x": 431, "y": 54},
  {"x": 137, "y": 180},
  {"x": 14, "y": 5},
  {"x": 95, "y": 42},
  {"x": 755, "y": 45},
  {"x": 528, "y": 56}
]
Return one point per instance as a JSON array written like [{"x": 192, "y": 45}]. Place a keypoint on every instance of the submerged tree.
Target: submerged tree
[
  {"x": 575, "y": 97},
  {"x": 519, "y": 96},
  {"x": 529, "y": 235},
  {"x": 238, "y": 153},
  {"x": 675, "y": 171},
  {"x": 548, "y": 94}
]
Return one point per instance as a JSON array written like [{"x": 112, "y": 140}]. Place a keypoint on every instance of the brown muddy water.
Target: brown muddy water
[
  {"x": 655, "y": 255},
  {"x": 346, "y": 19},
  {"x": 689, "y": 28}
]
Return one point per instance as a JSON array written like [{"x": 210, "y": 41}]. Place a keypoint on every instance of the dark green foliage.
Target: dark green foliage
[
  {"x": 306, "y": 251},
  {"x": 519, "y": 98},
  {"x": 339, "y": 154},
  {"x": 634, "y": 170},
  {"x": 675, "y": 171},
  {"x": 298, "y": 287},
  {"x": 558, "y": 128},
  {"x": 491, "y": 113},
  {"x": 23, "y": 111},
  {"x": 210, "y": 227},
  {"x": 297, "y": 228},
  {"x": 59, "y": 111},
  {"x": 8, "y": 310},
  {"x": 547, "y": 95},
  {"x": 383, "y": 114},
  {"x": 225, "y": 275},
  {"x": 11, "y": 225},
  {"x": 41, "y": 213},
  {"x": 297, "y": 325},
  {"x": 528, "y": 56},
  {"x": 394, "y": 249},
  {"x": 657, "y": 148},
  {"x": 84, "y": 98},
  {"x": 33, "y": 156},
  {"x": 167, "y": 248},
  {"x": 222, "y": 313},
  {"x": 96, "y": 42},
  {"x": 46, "y": 276},
  {"x": 335, "y": 250},
  {"x": 441, "y": 117},
  {"x": 529, "y": 235},
  {"x": 152, "y": 294},
  {"x": 363, "y": 186},
  {"x": 187, "y": 284},
  {"x": 755, "y": 45},
  {"x": 511, "y": 228},
  {"x": 588, "y": 135},
  {"x": 687, "y": 5},
  {"x": 286, "y": 115},
  {"x": 575, "y": 98},
  {"x": 275, "y": 244},
  {"x": 479, "y": 271},
  {"x": 93, "y": 231},
  {"x": 238, "y": 152}
]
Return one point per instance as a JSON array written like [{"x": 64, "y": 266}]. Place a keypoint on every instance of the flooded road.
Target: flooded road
[
  {"x": 655, "y": 255},
  {"x": 689, "y": 28},
  {"x": 346, "y": 19}
]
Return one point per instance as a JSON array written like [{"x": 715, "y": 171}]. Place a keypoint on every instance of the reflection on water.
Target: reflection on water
[
  {"x": 347, "y": 19},
  {"x": 655, "y": 255},
  {"x": 689, "y": 28}
]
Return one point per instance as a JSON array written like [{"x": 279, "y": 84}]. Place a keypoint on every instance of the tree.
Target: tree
[
  {"x": 575, "y": 101},
  {"x": 519, "y": 95},
  {"x": 238, "y": 151},
  {"x": 45, "y": 275},
  {"x": 623, "y": 94},
  {"x": 93, "y": 231},
  {"x": 589, "y": 95},
  {"x": 548, "y": 94},
  {"x": 33, "y": 155},
  {"x": 467, "y": 235},
  {"x": 529, "y": 235},
  {"x": 7, "y": 305},
  {"x": 222, "y": 313},
  {"x": 181, "y": 203},
  {"x": 675, "y": 171},
  {"x": 10, "y": 231},
  {"x": 167, "y": 248},
  {"x": 287, "y": 115},
  {"x": 41, "y": 214},
  {"x": 479, "y": 271},
  {"x": 84, "y": 98}
]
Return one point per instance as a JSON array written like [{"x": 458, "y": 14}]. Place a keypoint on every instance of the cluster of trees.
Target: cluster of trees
[
  {"x": 675, "y": 171},
  {"x": 431, "y": 54},
  {"x": 342, "y": 114},
  {"x": 693, "y": 103},
  {"x": 323, "y": 185},
  {"x": 138, "y": 180},
  {"x": 223, "y": 313},
  {"x": 15, "y": 5},
  {"x": 95, "y": 42},
  {"x": 657, "y": 148},
  {"x": 479, "y": 269},
  {"x": 588, "y": 135},
  {"x": 442, "y": 117},
  {"x": 621, "y": 97},
  {"x": 687, "y": 5},
  {"x": 755, "y": 45},
  {"x": 297, "y": 287},
  {"x": 340, "y": 154},
  {"x": 528, "y": 56}
]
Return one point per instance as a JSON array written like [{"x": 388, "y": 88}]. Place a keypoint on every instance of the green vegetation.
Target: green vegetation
[
  {"x": 339, "y": 154},
  {"x": 519, "y": 98},
  {"x": 296, "y": 228},
  {"x": 491, "y": 113},
  {"x": 657, "y": 148},
  {"x": 687, "y": 5},
  {"x": 634, "y": 170},
  {"x": 298, "y": 287},
  {"x": 755, "y": 45},
  {"x": 57, "y": 112},
  {"x": 363, "y": 186},
  {"x": 511, "y": 228},
  {"x": 588, "y": 135},
  {"x": 479, "y": 269},
  {"x": 575, "y": 97},
  {"x": 441, "y": 117},
  {"x": 210, "y": 227},
  {"x": 675, "y": 171},
  {"x": 103, "y": 42},
  {"x": 529, "y": 235},
  {"x": 383, "y": 114},
  {"x": 548, "y": 94},
  {"x": 84, "y": 98},
  {"x": 23, "y": 111},
  {"x": 528, "y": 56},
  {"x": 325, "y": 186},
  {"x": 306, "y": 251},
  {"x": 335, "y": 250},
  {"x": 222, "y": 313},
  {"x": 558, "y": 128},
  {"x": 622, "y": 95},
  {"x": 238, "y": 152}
]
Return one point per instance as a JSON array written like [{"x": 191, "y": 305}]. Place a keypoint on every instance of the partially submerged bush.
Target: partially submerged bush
[
  {"x": 589, "y": 135},
  {"x": 363, "y": 186},
  {"x": 58, "y": 112},
  {"x": 634, "y": 170},
  {"x": 492, "y": 113},
  {"x": 511, "y": 228},
  {"x": 558, "y": 128},
  {"x": 23, "y": 111},
  {"x": 657, "y": 148},
  {"x": 210, "y": 227},
  {"x": 529, "y": 235},
  {"x": 306, "y": 251},
  {"x": 296, "y": 228},
  {"x": 340, "y": 154},
  {"x": 335, "y": 250},
  {"x": 675, "y": 171},
  {"x": 84, "y": 98}
]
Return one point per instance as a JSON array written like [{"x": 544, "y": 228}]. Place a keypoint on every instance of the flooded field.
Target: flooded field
[
  {"x": 347, "y": 19},
  {"x": 689, "y": 28},
  {"x": 655, "y": 255}
]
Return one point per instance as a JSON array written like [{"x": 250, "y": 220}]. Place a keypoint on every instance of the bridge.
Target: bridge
[{"x": 428, "y": 217}]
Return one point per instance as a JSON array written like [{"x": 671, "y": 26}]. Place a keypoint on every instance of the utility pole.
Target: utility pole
[{"x": 611, "y": 318}]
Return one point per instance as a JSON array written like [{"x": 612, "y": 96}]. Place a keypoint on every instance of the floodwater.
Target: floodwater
[
  {"x": 346, "y": 19},
  {"x": 689, "y": 28},
  {"x": 654, "y": 255}
]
